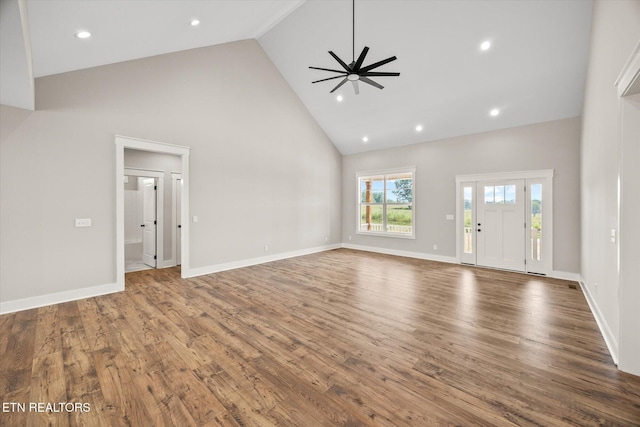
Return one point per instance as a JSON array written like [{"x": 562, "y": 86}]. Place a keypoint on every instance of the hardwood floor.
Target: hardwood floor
[{"x": 337, "y": 338}]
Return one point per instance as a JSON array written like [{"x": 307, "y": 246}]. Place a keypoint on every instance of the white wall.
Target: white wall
[
  {"x": 549, "y": 145},
  {"x": 166, "y": 163},
  {"x": 262, "y": 171},
  {"x": 615, "y": 32}
]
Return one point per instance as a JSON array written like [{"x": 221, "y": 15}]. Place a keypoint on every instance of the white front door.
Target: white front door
[
  {"x": 500, "y": 224},
  {"x": 149, "y": 221}
]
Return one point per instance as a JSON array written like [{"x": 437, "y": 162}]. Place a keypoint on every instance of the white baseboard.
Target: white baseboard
[
  {"x": 200, "y": 271},
  {"x": 565, "y": 275},
  {"x": 408, "y": 254},
  {"x": 605, "y": 330},
  {"x": 168, "y": 263},
  {"x": 57, "y": 298}
]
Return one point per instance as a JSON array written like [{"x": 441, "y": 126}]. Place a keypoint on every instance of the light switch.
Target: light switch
[
  {"x": 83, "y": 222},
  {"x": 613, "y": 235},
  {"x": 449, "y": 217},
  {"x": 195, "y": 218}
]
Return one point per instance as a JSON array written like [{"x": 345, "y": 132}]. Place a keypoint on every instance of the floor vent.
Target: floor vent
[{"x": 573, "y": 287}]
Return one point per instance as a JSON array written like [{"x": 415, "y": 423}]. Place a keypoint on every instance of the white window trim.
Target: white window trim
[{"x": 360, "y": 174}]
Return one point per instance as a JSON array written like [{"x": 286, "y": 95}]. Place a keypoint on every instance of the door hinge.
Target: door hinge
[
  {"x": 155, "y": 187},
  {"x": 155, "y": 257},
  {"x": 156, "y": 223},
  {"x": 525, "y": 261}
]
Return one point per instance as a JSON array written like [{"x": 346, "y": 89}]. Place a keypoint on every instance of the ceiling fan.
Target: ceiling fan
[{"x": 355, "y": 72}]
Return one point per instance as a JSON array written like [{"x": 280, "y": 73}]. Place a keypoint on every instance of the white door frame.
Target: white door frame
[
  {"x": 175, "y": 177},
  {"x": 628, "y": 90},
  {"x": 528, "y": 176},
  {"x": 159, "y": 176},
  {"x": 123, "y": 142}
]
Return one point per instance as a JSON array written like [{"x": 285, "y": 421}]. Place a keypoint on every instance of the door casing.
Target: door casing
[
  {"x": 545, "y": 176},
  {"x": 121, "y": 143}
]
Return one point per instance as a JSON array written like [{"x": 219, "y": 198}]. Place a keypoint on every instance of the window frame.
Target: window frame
[{"x": 359, "y": 203}]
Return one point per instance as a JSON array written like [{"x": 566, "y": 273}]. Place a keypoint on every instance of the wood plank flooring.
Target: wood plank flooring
[{"x": 339, "y": 338}]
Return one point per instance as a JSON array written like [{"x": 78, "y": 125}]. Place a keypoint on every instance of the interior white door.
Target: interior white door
[
  {"x": 149, "y": 221},
  {"x": 179, "y": 221},
  {"x": 500, "y": 224}
]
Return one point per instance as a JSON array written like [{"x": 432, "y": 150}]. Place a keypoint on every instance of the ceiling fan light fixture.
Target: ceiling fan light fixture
[
  {"x": 495, "y": 112},
  {"x": 339, "y": 98},
  {"x": 419, "y": 128},
  {"x": 485, "y": 45},
  {"x": 195, "y": 22},
  {"x": 83, "y": 34},
  {"x": 355, "y": 71},
  {"x": 365, "y": 139}
]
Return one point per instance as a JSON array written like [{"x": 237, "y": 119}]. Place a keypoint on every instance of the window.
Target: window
[
  {"x": 386, "y": 203},
  {"x": 500, "y": 194}
]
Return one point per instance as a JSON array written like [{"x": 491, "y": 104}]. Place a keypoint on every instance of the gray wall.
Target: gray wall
[
  {"x": 262, "y": 171},
  {"x": 166, "y": 163},
  {"x": 615, "y": 32},
  {"x": 549, "y": 145}
]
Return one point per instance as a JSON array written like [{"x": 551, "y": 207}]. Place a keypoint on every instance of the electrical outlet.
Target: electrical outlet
[
  {"x": 83, "y": 222},
  {"x": 326, "y": 239},
  {"x": 349, "y": 237},
  {"x": 266, "y": 248},
  {"x": 596, "y": 287},
  {"x": 435, "y": 247}
]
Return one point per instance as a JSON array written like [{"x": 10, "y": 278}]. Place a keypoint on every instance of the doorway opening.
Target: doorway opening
[
  {"x": 152, "y": 236},
  {"x": 505, "y": 221},
  {"x": 143, "y": 219}
]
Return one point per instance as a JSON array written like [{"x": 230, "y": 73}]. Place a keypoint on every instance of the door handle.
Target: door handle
[
  {"x": 479, "y": 229},
  {"x": 141, "y": 225},
  {"x": 179, "y": 226},
  {"x": 479, "y": 224}
]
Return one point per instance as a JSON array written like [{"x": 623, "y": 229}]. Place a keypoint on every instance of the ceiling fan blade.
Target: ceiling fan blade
[
  {"x": 328, "y": 69},
  {"x": 356, "y": 88},
  {"x": 329, "y": 78},
  {"x": 377, "y": 64},
  {"x": 341, "y": 62},
  {"x": 371, "y": 82},
  {"x": 339, "y": 84},
  {"x": 360, "y": 60},
  {"x": 379, "y": 74}
]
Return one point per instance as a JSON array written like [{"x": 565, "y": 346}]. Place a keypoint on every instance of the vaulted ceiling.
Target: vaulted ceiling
[{"x": 534, "y": 70}]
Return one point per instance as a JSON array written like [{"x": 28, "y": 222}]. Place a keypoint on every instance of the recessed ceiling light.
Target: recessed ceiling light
[
  {"x": 195, "y": 22},
  {"x": 83, "y": 34},
  {"x": 494, "y": 112},
  {"x": 339, "y": 98},
  {"x": 365, "y": 139},
  {"x": 485, "y": 45},
  {"x": 419, "y": 128}
]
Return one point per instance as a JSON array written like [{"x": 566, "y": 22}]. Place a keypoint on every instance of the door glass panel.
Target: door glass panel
[
  {"x": 488, "y": 195},
  {"x": 499, "y": 194},
  {"x": 468, "y": 216},
  {"x": 536, "y": 221},
  {"x": 510, "y": 194}
]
